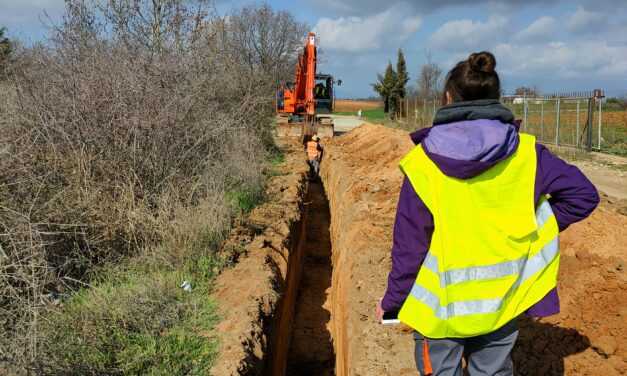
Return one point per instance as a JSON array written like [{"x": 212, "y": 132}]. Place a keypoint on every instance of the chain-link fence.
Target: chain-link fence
[{"x": 576, "y": 120}]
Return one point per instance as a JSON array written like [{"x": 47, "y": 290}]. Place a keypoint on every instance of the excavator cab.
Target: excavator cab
[{"x": 323, "y": 94}]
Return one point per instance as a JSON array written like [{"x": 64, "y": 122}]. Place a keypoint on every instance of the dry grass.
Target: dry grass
[{"x": 128, "y": 143}]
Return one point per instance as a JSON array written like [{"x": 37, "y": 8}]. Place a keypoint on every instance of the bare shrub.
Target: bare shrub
[
  {"x": 429, "y": 79},
  {"x": 135, "y": 115}
]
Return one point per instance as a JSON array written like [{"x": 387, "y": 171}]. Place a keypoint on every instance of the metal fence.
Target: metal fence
[
  {"x": 561, "y": 120},
  {"x": 576, "y": 120}
]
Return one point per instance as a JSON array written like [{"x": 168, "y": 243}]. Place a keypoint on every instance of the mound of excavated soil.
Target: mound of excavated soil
[
  {"x": 362, "y": 182},
  {"x": 589, "y": 337}
]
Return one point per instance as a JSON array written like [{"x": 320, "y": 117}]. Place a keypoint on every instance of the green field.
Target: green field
[{"x": 375, "y": 115}]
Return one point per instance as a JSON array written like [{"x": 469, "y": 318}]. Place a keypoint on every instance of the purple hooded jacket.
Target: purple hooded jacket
[{"x": 466, "y": 139}]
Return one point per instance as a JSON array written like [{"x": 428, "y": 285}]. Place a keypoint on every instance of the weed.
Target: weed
[
  {"x": 134, "y": 322},
  {"x": 245, "y": 199}
]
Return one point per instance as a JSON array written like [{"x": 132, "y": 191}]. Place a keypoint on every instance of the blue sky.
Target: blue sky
[{"x": 554, "y": 45}]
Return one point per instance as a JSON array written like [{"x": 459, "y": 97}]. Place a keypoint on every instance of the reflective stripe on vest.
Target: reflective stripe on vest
[
  {"x": 491, "y": 256},
  {"x": 524, "y": 268},
  {"x": 523, "y": 264}
]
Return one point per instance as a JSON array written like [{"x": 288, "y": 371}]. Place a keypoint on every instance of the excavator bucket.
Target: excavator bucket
[
  {"x": 286, "y": 129},
  {"x": 323, "y": 127}
]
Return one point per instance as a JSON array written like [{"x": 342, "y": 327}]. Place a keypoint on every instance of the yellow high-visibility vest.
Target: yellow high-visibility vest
[{"x": 494, "y": 252}]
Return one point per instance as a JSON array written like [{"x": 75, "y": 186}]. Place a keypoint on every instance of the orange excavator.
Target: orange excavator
[{"x": 302, "y": 104}]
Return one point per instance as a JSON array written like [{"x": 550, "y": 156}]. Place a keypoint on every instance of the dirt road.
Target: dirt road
[
  {"x": 362, "y": 182},
  {"x": 607, "y": 179},
  {"x": 344, "y": 123}
]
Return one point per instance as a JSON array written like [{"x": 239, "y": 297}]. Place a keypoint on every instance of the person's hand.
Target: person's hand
[{"x": 379, "y": 312}]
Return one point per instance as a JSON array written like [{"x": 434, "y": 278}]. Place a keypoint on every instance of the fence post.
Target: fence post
[
  {"x": 577, "y": 133},
  {"x": 600, "y": 119},
  {"x": 525, "y": 109},
  {"x": 424, "y": 111},
  {"x": 433, "y": 115},
  {"x": 542, "y": 120},
  {"x": 589, "y": 125},
  {"x": 557, "y": 123},
  {"x": 416, "y": 112}
]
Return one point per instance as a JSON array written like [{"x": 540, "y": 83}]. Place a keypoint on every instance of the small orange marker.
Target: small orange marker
[{"x": 426, "y": 359}]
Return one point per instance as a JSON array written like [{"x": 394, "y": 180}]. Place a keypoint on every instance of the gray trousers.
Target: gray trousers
[
  {"x": 314, "y": 165},
  {"x": 486, "y": 355}
]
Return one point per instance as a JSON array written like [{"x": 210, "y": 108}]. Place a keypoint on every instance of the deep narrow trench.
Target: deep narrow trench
[{"x": 311, "y": 348}]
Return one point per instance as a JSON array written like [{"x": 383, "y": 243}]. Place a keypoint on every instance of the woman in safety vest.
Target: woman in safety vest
[{"x": 476, "y": 232}]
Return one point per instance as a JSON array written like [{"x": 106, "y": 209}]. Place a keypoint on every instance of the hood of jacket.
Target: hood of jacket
[{"x": 468, "y": 138}]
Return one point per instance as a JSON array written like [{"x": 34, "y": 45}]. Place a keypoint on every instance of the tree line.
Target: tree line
[{"x": 392, "y": 85}]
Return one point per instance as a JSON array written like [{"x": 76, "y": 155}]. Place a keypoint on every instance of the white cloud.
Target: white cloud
[
  {"x": 573, "y": 60},
  {"x": 369, "y": 7},
  {"x": 468, "y": 34},
  {"x": 539, "y": 30},
  {"x": 356, "y": 7},
  {"x": 355, "y": 34},
  {"x": 583, "y": 20}
]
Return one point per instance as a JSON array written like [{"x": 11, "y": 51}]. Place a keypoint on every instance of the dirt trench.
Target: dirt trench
[
  {"x": 288, "y": 310},
  {"x": 311, "y": 348},
  {"x": 273, "y": 303}
]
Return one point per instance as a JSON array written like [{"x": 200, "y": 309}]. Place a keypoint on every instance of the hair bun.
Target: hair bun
[{"x": 482, "y": 62}]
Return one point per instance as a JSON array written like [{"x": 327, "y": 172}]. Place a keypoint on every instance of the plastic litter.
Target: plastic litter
[{"x": 187, "y": 286}]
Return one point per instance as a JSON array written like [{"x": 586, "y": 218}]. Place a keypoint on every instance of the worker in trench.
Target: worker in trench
[
  {"x": 314, "y": 156},
  {"x": 476, "y": 233}
]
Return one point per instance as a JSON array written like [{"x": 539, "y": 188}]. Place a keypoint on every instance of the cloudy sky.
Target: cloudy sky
[{"x": 556, "y": 45}]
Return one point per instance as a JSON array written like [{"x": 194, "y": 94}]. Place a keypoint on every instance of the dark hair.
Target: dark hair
[{"x": 474, "y": 78}]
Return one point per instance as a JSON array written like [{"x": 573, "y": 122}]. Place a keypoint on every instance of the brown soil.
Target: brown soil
[
  {"x": 350, "y": 105},
  {"x": 311, "y": 351},
  {"x": 589, "y": 336},
  {"x": 362, "y": 180}
]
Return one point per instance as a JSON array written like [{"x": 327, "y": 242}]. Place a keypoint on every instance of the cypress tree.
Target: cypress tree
[
  {"x": 385, "y": 87},
  {"x": 402, "y": 75}
]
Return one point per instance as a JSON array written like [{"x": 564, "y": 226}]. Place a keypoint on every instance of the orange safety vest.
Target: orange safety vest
[{"x": 312, "y": 150}]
